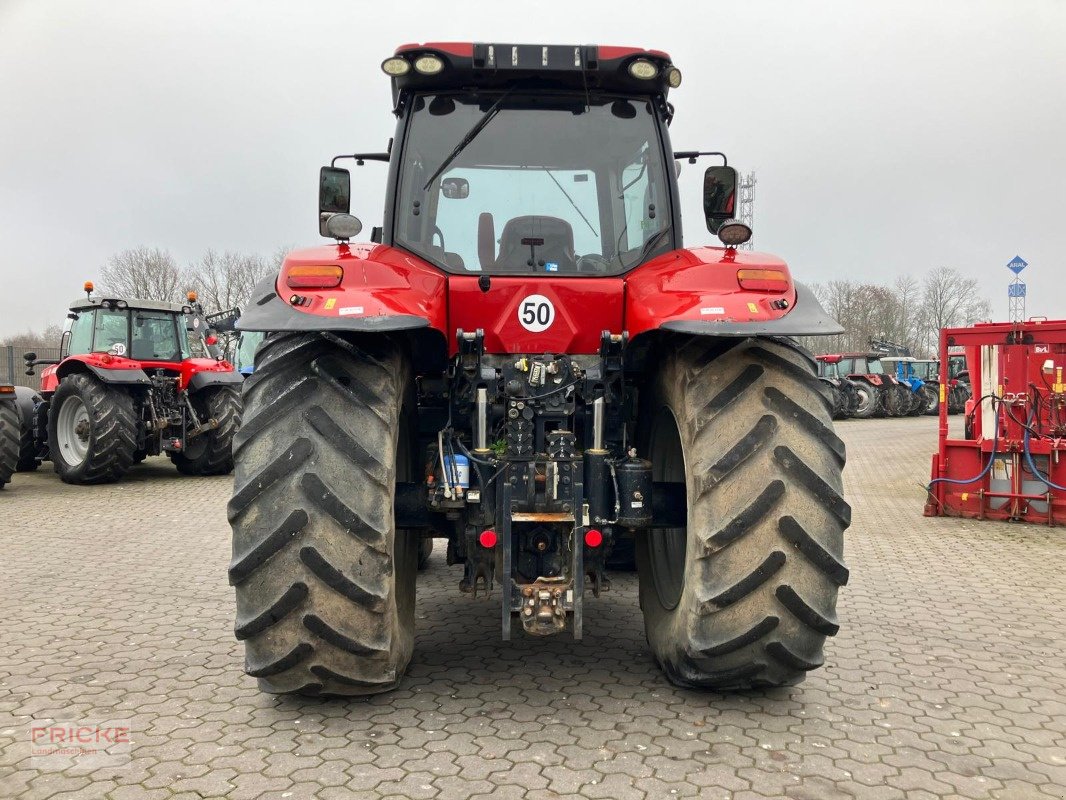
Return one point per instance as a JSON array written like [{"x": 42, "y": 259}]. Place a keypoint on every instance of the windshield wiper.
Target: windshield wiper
[
  {"x": 568, "y": 197},
  {"x": 471, "y": 134}
]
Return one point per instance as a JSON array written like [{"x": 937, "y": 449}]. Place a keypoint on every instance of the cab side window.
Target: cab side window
[
  {"x": 81, "y": 334},
  {"x": 112, "y": 327}
]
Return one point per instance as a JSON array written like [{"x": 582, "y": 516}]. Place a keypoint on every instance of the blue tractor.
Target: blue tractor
[{"x": 925, "y": 399}]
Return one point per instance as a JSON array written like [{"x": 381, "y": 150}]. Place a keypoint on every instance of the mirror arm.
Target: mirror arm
[
  {"x": 692, "y": 155},
  {"x": 362, "y": 157}
]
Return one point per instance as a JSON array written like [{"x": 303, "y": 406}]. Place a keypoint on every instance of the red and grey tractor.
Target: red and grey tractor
[
  {"x": 126, "y": 387},
  {"x": 526, "y": 360}
]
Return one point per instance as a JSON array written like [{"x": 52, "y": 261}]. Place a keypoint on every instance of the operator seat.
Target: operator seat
[{"x": 556, "y": 234}]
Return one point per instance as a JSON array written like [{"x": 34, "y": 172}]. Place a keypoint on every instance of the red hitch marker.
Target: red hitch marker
[
  {"x": 593, "y": 538},
  {"x": 487, "y": 539}
]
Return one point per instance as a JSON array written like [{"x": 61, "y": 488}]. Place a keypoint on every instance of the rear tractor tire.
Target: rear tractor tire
[
  {"x": 211, "y": 453},
  {"x": 26, "y": 402},
  {"x": 425, "y": 550},
  {"x": 92, "y": 430},
  {"x": 931, "y": 392},
  {"x": 9, "y": 441},
  {"x": 868, "y": 400},
  {"x": 325, "y": 583},
  {"x": 745, "y": 595}
]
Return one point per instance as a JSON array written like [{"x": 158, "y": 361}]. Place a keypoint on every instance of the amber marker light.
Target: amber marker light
[
  {"x": 763, "y": 280},
  {"x": 314, "y": 276}
]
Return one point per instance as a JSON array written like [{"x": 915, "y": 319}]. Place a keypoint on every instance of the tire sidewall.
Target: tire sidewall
[{"x": 72, "y": 386}]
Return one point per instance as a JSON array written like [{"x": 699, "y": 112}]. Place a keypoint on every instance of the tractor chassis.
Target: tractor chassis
[{"x": 552, "y": 476}]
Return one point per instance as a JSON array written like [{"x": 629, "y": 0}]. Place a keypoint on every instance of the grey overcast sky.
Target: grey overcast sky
[{"x": 887, "y": 137}]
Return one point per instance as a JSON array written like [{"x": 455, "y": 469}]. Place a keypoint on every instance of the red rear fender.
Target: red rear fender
[
  {"x": 381, "y": 289},
  {"x": 699, "y": 291}
]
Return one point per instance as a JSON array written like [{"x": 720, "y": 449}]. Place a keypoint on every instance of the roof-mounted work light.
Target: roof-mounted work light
[{"x": 395, "y": 66}]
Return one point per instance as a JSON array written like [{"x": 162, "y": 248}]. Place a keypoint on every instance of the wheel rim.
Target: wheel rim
[
  {"x": 667, "y": 548},
  {"x": 933, "y": 402},
  {"x": 864, "y": 399},
  {"x": 73, "y": 431}
]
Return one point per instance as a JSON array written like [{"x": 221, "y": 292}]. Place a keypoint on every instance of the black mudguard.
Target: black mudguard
[
  {"x": 201, "y": 380},
  {"x": 125, "y": 377},
  {"x": 807, "y": 318},
  {"x": 270, "y": 313}
]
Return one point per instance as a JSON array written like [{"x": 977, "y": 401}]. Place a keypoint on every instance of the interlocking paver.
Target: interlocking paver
[{"x": 946, "y": 680}]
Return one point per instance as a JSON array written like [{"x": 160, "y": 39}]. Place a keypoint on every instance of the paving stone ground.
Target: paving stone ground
[{"x": 946, "y": 680}]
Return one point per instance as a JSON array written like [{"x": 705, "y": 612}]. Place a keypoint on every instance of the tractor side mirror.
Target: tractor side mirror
[
  {"x": 455, "y": 188},
  {"x": 334, "y": 195},
  {"x": 719, "y": 196},
  {"x": 30, "y": 357}
]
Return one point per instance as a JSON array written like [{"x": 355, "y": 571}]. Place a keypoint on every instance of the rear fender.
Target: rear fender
[
  {"x": 125, "y": 377},
  {"x": 696, "y": 291},
  {"x": 383, "y": 290},
  {"x": 204, "y": 379}
]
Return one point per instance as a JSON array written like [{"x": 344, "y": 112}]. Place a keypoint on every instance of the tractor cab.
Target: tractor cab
[
  {"x": 139, "y": 330},
  {"x": 526, "y": 160},
  {"x": 903, "y": 368},
  {"x": 927, "y": 369}
]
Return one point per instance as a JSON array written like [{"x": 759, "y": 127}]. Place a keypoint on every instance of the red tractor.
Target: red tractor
[
  {"x": 526, "y": 360},
  {"x": 880, "y": 394},
  {"x": 126, "y": 387}
]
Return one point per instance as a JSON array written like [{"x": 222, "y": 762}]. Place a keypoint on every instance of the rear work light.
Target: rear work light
[
  {"x": 395, "y": 66},
  {"x": 643, "y": 69},
  {"x": 314, "y": 277},
  {"x": 428, "y": 65},
  {"x": 763, "y": 280}
]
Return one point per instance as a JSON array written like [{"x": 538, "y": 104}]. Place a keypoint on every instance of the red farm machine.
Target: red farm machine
[
  {"x": 526, "y": 360},
  {"x": 1008, "y": 461},
  {"x": 125, "y": 387}
]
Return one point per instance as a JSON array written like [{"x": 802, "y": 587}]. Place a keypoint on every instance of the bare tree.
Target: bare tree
[
  {"x": 225, "y": 280},
  {"x": 144, "y": 273},
  {"x": 908, "y": 313},
  {"x": 950, "y": 300},
  {"x": 34, "y": 340}
]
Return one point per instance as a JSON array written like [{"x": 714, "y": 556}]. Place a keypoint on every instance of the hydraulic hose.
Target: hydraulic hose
[
  {"x": 1032, "y": 464},
  {"x": 991, "y": 456}
]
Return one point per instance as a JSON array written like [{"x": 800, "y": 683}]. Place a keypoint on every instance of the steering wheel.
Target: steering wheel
[{"x": 438, "y": 232}]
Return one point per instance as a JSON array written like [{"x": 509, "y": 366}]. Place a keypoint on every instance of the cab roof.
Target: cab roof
[
  {"x": 85, "y": 303},
  {"x": 495, "y": 65}
]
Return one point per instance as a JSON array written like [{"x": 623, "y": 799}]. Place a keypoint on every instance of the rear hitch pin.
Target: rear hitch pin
[
  {"x": 481, "y": 442},
  {"x": 597, "y": 423}
]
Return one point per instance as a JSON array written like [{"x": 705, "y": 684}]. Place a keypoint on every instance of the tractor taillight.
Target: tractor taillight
[
  {"x": 7, "y": 389},
  {"x": 324, "y": 276},
  {"x": 487, "y": 539},
  {"x": 763, "y": 280},
  {"x": 593, "y": 538}
]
